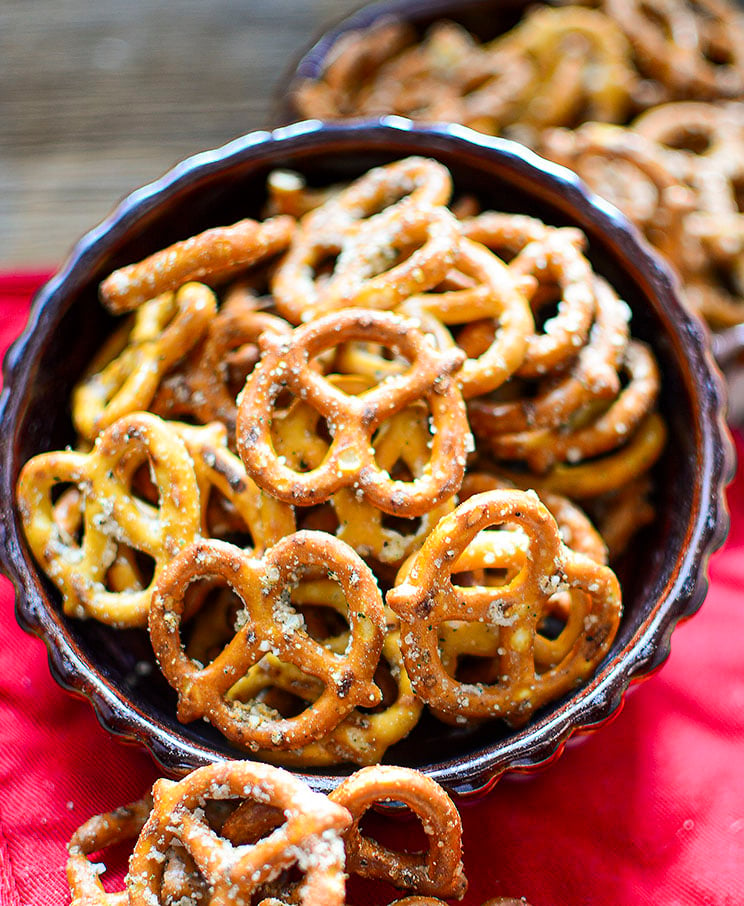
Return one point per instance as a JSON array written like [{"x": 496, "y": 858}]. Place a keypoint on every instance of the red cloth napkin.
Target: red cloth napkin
[{"x": 648, "y": 810}]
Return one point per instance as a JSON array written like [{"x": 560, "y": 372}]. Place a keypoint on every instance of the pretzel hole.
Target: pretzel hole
[
  {"x": 657, "y": 19},
  {"x": 387, "y": 684},
  {"x": 693, "y": 137},
  {"x": 408, "y": 834},
  {"x": 715, "y": 45},
  {"x": 68, "y": 513},
  {"x": 737, "y": 190},
  {"x": 214, "y": 608}
]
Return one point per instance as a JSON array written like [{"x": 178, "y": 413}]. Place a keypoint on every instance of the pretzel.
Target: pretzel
[
  {"x": 217, "y": 469},
  {"x": 695, "y": 49},
  {"x": 209, "y": 257},
  {"x": 497, "y": 296},
  {"x": 542, "y": 447},
  {"x": 163, "y": 331},
  {"x": 361, "y": 738},
  {"x": 96, "y": 834},
  {"x": 269, "y": 624},
  {"x": 353, "y": 57},
  {"x": 309, "y": 836},
  {"x": 425, "y": 596},
  {"x": 582, "y": 66},
  {"x": 113, "y": 515},
  {"x": 203, "y": 387},
  {"x": 547, "y": 254},
  {"x": 396, "y": 208},
  {"x": 402, "y": 441},
  {"x": 353, "y": 419},
  {"x": 605, "y": 474},
  {"x": 440, "y": 872},
  {"x": 593, "y": 375}
]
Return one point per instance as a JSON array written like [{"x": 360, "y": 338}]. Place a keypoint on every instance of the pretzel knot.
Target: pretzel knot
[
  {"x": 532, "y": 669},
  {"x": 353, "y": 419},
  {"x": 268, "y": 624},
  {"x": 439, "y": 872},
  {"x": 114, "y": 517},
  {"x": 309, "y": 836}
]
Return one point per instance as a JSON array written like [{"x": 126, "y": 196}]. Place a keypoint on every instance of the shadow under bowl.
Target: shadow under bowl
[{"x": 666, "y": 576}]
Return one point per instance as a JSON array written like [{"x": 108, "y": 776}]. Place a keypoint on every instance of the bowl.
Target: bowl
[{"x": 666, "y": 577}]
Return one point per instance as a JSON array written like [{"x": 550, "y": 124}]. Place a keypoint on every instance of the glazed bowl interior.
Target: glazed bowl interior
[{"x": 663, "y": 576}]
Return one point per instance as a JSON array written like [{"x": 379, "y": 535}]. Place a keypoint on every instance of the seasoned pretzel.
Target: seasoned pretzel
[
  {"x": 396, "y": 208},
  {"x": 361, "y": 738},
  {"x": 268, "y": 623},
  {"x": 209, "y": 257},
  {"x": 96, "y": 834},
  {"x": 113, "y": 515},
  {"x": 218, "y": 470},
  {"x": 549, "y": 255},
  {"x": 402, "y": 441},
  {"x": 605, "y": 474},
  {"x": 693, "y": 47},
  {"x": 425, "y": 596},
  {"x": 163, "y": 331},
  {"x": 582, "y": 63},
  {"x": 353, "y": 419},
  {"x": 593, "y": 375},
  {"x": 543, "y": 447},
  {"x": 203, "y": 386},
  {"x": 440, "y": 871},
  {"x": 309, "y": 836},
  {"x": 497, "y": 295}
]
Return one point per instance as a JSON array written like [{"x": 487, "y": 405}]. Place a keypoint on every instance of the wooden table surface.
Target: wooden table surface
[{"x": 98, "y": 97}]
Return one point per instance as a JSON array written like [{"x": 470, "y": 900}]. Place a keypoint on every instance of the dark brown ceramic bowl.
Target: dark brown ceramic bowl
[{"x": 666, "y": 580}]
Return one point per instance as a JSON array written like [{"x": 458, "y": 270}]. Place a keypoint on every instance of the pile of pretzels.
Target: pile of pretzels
[
  {"x": 668, "y": 76},
  {"x": 246, "y": 833},
  {"x": 338, "y": 461}
]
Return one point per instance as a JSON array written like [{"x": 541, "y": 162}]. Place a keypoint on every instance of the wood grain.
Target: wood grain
[{"x": 98, "y": 97}]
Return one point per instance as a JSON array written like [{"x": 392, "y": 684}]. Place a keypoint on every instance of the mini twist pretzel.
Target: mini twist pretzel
[
  {"x": 592, "y": 375},
  {"x": 497, "y": 296},
  {"x": 425, "y": 596},
  {"x": 96, "y": 834},
  {"x": 402, "y": 439},
  {"x": 201, "y": 386},
  {"x": 582, "y": 66},
  {"x": 605, "y": 474},
  {"x": 353, "y": 419},
  {"x": 209, "y": 257},
  {"x": 693, "y": 47},
  {"x": 309, "y": 837},
  {"x": 164, "y": 330},
  {"x": 399, "y": 207},
  {"x": 218, "y": 469},
  {"x": 551, "y": 256},
  {"x": 113, "y": 516},
  {"x": 268, "y": 624},
  {"x": 440, "y": 871},
  {"x": 610, "y": 429}
]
